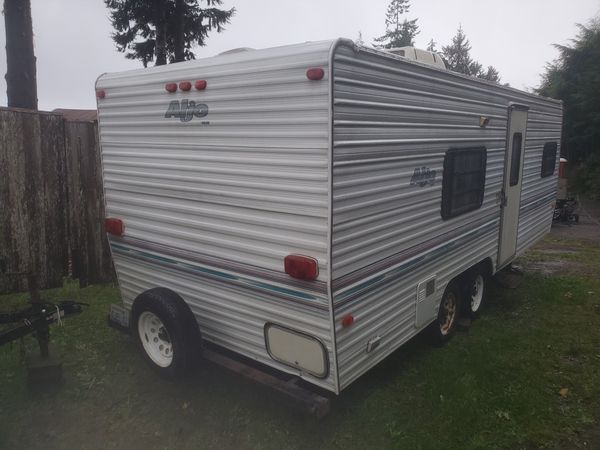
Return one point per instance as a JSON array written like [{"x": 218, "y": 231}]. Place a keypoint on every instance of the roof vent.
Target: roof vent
[{"x": 423, "y": 56}]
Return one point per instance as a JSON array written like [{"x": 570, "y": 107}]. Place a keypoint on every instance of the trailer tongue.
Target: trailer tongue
[{"x": 36, "y": 319}]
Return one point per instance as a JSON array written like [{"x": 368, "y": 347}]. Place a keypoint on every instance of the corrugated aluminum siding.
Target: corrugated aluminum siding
[
  {"x": 538, "y": 194},
  {"x": 391, "y": 117},
  {"x": 213, "y": 205}
]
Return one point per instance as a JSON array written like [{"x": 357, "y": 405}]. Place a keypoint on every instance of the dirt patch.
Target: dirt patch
[
  {"x": 567, "y": 250},
  {"x": 588, "y": 228},
  {"x": 558, "y": 251},
  {"x": 548, "y": 267},
  {"x": 539, "y": 263},
  {"x": 588, "y": 439}
]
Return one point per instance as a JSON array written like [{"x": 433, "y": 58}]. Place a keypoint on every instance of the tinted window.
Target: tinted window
[
  {"x": 515, "y": 160},
  {"x": 463, "y": 181},
  {"x": 549, "y": 159}
]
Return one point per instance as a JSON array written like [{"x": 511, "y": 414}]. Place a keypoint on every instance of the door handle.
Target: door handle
[{"x": 501, "y": 198}]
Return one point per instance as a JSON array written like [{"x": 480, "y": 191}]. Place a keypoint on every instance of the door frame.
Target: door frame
[{"x": 510, "y": 131}]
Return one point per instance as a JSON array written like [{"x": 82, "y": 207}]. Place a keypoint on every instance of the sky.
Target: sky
[{"x": 73, "y": 44}]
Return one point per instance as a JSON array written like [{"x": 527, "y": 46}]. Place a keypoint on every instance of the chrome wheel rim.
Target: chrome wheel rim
[
  {"x": 155, "y": 339},
  {"x": 448, "y": 313},
  {"x": 477, "y": 293}
]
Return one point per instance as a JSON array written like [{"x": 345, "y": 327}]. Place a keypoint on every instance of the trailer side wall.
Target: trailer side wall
[{"x": 394, "y": 121}]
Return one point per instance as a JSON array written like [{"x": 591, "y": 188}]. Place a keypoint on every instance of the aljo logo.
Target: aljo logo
[
  {"x": 186, "y": 110},
  {"x": 422, "y": 176}
]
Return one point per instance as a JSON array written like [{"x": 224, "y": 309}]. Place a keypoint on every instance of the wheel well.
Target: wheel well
[
  {"x": 172, "y": 296},
  {"x": 487, "y": 266}
]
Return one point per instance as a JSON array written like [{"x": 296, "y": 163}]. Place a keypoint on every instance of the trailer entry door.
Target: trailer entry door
[{"x": 513, "y": 177}]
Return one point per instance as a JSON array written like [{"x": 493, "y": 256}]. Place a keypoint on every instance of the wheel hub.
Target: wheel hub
[
  {"x": 155, "y": 339},
  {"x": 477, "y": 293}
]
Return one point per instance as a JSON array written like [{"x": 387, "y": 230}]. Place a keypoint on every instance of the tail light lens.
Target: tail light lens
[
  {"x": 315, "y": 73},
  {"x": 100, "y": 94},
  {"x": 347, "y": 320},
  {"x": 185, "y": 85},
  {"x": 114, "y": 226},
  {"x": 171, "y": 87},
  {"x": 200, "y": 85},
  {"x": 301, "y": 267}
]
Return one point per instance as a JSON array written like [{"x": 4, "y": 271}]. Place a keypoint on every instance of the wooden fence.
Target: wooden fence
[{"x": 51, "y": 201}]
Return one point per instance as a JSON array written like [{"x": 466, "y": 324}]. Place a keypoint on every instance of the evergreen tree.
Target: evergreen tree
[
  {"x": 399, "y": 33},
  {"x": 491, "y": 74},
  {"x": 575, "y": 79},
  {"x": 164, "y": 30},
  {"x": 458, "y": 58},
  {"x": 431, "y": 47},
  {"x": 457, "y": 54}
]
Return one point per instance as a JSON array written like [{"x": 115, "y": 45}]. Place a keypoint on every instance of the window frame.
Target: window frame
[
  {"x": 515, "y": 163},
  {"x": 449, "y": 176},
  {"x": 553, "y": 147}
]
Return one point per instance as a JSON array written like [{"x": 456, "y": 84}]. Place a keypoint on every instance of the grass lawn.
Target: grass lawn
[{"x": 525, "y": 375}]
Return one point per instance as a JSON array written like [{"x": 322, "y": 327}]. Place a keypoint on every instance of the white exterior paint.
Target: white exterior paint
[
  {"x": 517, "y": 131},
  {"x": 282, "y": 164}
]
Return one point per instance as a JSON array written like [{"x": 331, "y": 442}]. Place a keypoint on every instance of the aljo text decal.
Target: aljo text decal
[
  {"x": 422, "y": 176},
  {"x": 186, "y": 110}
]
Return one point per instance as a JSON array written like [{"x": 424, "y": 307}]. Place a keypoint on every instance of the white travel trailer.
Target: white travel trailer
[{"x": 315, "y": 206}]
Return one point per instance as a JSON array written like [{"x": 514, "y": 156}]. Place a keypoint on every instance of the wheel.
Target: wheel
[
  {"x": 443, "y": 327},
  {"x": 475, "y": 292},
  {"x": 166, "y": 332}
]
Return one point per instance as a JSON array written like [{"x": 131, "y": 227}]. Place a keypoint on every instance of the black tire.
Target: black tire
[
  {"x": 442, "y": 329},
  {"x": 170, "y": 345},
  {"x": 475, "y": 290}
]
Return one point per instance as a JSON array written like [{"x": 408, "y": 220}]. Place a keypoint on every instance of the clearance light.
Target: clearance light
[
  {"x": 301, "y": 267},
  {"x": 347, "y": 320},
  {"x": 171, "y": 87},
  {"x": 185, "y": 85},
  {"x": 315, "y": 73},
  {"x": 114, "y": 226},
  {"x": 100, "y": 94},
  {"x": 200, "y": 85}
]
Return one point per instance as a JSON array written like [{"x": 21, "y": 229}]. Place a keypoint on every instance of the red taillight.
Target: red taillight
[
  {"x": 185, "y": 85},
  {"x": 347, "y": 320},
  {"x": 200, "y": 85},
  {"x": 114, "y": 226},
  {"x": 171, "y": 87},
  {"x": 301, "y": 267},
  {"x": 315, "y": 73},
  {"x": 100, "y": 94}
]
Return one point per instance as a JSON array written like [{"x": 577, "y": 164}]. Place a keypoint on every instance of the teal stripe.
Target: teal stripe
[
  {"x": 212, "y": 273},
  {"x": 409, "y": 265}
]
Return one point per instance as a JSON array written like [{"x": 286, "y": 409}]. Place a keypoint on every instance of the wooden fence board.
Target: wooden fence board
[
  {"x": 89, "y": 245},
  {"x": 51, "y": 200}
]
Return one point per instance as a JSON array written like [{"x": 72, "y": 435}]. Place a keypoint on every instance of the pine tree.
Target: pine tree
[
  {"x": 21, "y": 82},
  {"x": 458, "y": 59},
  {"x": 574, "y": 78},
  {"x": 491, "y": 74},
  {"x": 399, "y": 33},
  {"x": 431, "y": 46},
  {"x": 457, "y": 54},
  {"x": 164, "y": 30}
]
